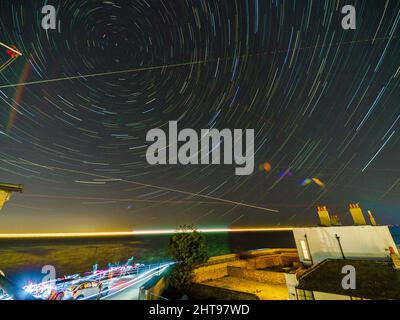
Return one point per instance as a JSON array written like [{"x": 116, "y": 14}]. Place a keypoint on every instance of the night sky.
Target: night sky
[{"x": 324, "y": 103}]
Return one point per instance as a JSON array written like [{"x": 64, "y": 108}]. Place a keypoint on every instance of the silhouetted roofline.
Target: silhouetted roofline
[
  {"x": 375, "y": 279},
  {"x": 11, "y": 187}
]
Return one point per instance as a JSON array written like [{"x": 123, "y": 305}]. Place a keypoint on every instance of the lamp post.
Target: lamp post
[
  {"x": 5, "y": 191},
  {"x": 340, "y": 246}
]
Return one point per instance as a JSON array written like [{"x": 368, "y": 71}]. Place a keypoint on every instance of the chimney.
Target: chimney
[
  {"x": 324, "y": 218},
  {"x": 357, "y": 215},
  {"x": 335, "y": 220},
  {"x": 5, "y": 191},
  {"x": 371, "y": 218},
  {"x": 395, "y": 258}
]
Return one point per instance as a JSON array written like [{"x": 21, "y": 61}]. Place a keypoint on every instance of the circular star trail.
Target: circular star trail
[{"x": 76, "y": 106}]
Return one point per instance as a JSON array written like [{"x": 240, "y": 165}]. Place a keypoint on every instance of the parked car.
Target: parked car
[{"x": 86, "y": 290}]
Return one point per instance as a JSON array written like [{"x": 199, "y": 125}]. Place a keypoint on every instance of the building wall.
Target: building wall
[
  {"x": 357, "y": 242},
  {"x": 329, "y": 296},
  {"x": 291, "y": 283}
]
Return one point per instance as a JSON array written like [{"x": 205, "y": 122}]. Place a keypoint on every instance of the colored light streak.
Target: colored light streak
[
  {"x": 11, "y": 49},
  {"x": 43, "y": 290},
  {"x": 182, "y": 64},
  {"x": 204, "y": 196},
  {"x": 147, "y": 275},
  {"x": 18, "y": 96},
  {"x": 133, "y": 233}
]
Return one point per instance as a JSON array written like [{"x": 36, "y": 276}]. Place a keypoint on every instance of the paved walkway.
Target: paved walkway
[{"x": 264, "y": 291}]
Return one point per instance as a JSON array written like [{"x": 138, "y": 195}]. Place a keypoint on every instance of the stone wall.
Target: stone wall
[
  {"x": 277, "y": 278},
  {"x": 273, "y": 260},
  {"x": 217, "y": 267},
  {"x": 200, "y": 291},
  {"x": 216, "y": 271}
]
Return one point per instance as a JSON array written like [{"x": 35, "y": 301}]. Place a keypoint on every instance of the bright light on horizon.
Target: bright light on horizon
[{"x": 132, "y": 233}]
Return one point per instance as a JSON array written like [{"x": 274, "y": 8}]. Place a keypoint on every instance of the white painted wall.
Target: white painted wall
[
  {"x": 291, "y": 283},
  {"x": 357, "y": 242},
  {"x": 329, "y": 296}
]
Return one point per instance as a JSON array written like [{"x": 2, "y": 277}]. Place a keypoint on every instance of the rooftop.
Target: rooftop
[{"x": 375, "y": 279}]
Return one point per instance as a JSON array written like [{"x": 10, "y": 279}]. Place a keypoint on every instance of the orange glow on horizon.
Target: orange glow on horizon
[{"x": 131, "y": 233}]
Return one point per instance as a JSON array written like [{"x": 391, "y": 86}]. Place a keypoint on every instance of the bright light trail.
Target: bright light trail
[
  {"x": 182, "y": 64},
  {"x": 133, "y": 233},
  {"x": 147, "y": 275},
  {"x": 42, "y": 290},
  {"x": 11, "y": 49},
  {"x": 192, "y": 194}
]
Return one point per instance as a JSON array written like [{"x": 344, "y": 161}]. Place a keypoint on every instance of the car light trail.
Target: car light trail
[
  {"x": 52, "y": 289},
  {"x": 144, "y": 276}
]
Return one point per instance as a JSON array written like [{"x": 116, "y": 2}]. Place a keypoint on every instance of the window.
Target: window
[
  {"x": 85, "y": 285},
  {"x": 304, "y": 249},
  {"x": 305, "y": 295}
]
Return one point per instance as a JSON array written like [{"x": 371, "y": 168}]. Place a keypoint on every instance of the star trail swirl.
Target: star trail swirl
[{"x": 76, "y": 106}]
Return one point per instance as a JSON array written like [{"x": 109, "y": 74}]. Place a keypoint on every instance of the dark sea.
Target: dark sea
[
  {"x": 395, "y": 231},
  {"x": 23, "y": 259}
]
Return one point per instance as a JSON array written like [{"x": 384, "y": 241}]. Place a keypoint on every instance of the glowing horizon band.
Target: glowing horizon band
[{"x": 133, "y": 233}]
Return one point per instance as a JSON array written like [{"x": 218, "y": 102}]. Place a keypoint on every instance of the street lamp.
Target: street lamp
[
  {"x": 8, "y": 286},
  {"x": 5, "y": 191}
]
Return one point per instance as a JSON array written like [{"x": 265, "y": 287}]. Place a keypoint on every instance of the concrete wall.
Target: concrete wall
[
  {"x": 291, "y": 283},
  {"x": 357, "y": 242},
  {"x": 154, "y": 292},
  {"x": 277, "y": 278}
]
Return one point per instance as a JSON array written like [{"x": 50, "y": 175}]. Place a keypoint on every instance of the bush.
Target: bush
[{"x": 188, "y": 248}]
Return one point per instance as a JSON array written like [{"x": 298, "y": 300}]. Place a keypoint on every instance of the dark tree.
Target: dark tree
[{"x": 188, "y": 248}]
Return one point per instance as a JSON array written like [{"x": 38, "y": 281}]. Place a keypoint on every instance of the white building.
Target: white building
[
  {"x": 326, "y": 249},
  {"x": 343, "y": 242}
]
